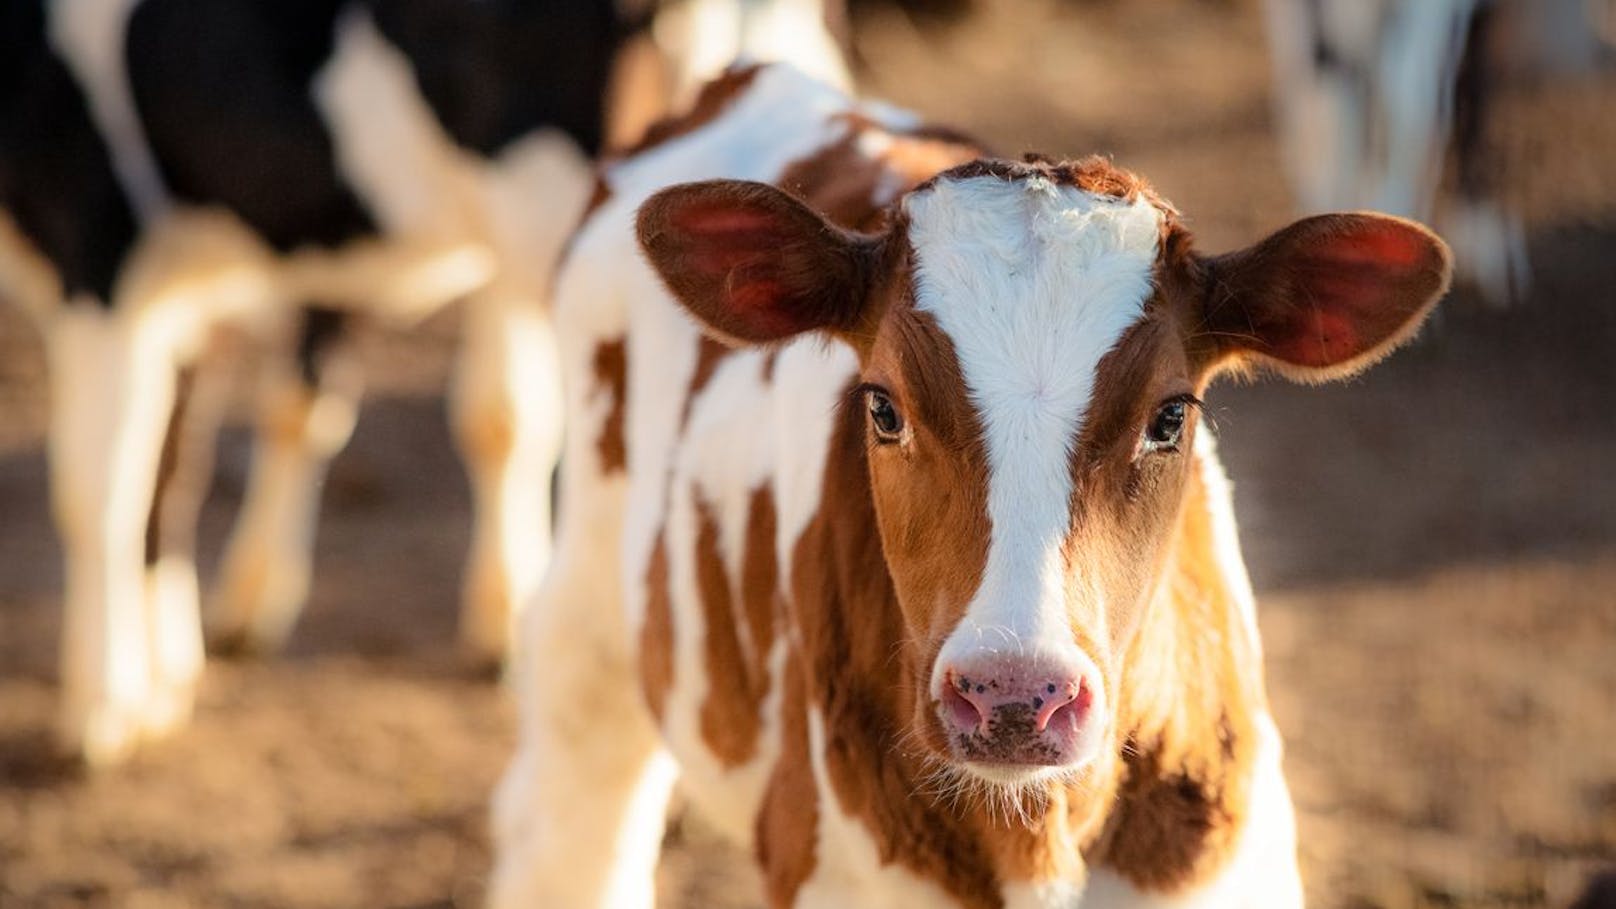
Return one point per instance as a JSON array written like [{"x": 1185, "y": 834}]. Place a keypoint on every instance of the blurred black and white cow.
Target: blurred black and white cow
[
  {"x": 170, "y": 166},
  {"x": 1374, "y": 94}
]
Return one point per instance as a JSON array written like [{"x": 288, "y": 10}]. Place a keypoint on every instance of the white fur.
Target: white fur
[
  {"x": 848, "y": 868},
  {"x": 705, "y": 36},
  {"x": 1057, "y": 894},
  {"x": 1033, "y": 283},
  {"x": 809, "y": 378},
  {"x": 1226, "y": 535}
]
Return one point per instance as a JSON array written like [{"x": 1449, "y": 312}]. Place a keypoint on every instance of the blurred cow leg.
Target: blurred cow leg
[
  {"x": 112, "y": 380},
  {"x": 1321, "y": 95},
  {"x": 173, "y": 615},
  {"x": 1487, "y": 237},
  {"x": 1419, "y": 62},
  {"x": 306, "y": 414},
  {"x": 505, "y": 407}
]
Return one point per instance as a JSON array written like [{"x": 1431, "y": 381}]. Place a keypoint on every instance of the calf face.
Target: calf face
[{"x": 1032, "y": 340}]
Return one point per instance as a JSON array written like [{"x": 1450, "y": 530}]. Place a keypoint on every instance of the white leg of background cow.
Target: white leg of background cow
[
  {"x": 1419, "y": 61},
  {"x": 1321, "y": 106},
  {"x": 506, "y": 411},
  {"x": 306, "y": 412},
  {"x": 174, "y": 615},
  {"x": 112, "y": 378},
  {"x": 578, "y": 818}
]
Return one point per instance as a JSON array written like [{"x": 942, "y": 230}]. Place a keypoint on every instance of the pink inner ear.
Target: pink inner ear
[
  {"x": 721, "y": 219},
  {"x": 726, "y": 237},
  {"x": 758, "y": 297},
  {"x": 1324, "y": 337},
  {"x": 1387, "y": 243}
]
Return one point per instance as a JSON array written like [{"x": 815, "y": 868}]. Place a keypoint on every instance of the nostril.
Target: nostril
[
  {"x": 962, "y": 711},
  {"x": 1065, "y": 705}
]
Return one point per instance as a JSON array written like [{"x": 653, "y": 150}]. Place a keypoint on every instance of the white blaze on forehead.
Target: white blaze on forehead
[{"x": 1034, "y": 283}]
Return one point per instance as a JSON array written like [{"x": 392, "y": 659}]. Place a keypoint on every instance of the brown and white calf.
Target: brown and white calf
[{"x": 923, "y": 579}]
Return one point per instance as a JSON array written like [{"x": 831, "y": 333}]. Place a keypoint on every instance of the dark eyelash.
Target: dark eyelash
[
  {"x": 1185, "y": 398},
  {"x": 864, "y": 388}
]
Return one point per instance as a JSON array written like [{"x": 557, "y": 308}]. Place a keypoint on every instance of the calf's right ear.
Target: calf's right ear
[
  {"x": 1326, "y": 296},
  {"x": 754, "y": 264}
]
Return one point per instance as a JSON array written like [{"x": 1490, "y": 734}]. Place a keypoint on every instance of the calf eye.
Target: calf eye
[
  {"x": 883, "y": 416},
  {"x": 1166, "y": 428}
]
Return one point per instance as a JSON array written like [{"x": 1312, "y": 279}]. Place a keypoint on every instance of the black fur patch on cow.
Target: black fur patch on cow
[
  {"x": 224, "y": 89},
  {"x": 56, "y": 177},
  {"x": 495, "y": 70}
]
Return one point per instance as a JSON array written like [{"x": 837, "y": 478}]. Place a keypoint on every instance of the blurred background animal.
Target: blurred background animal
[
  {"x": 1389, "y": 104},
  {"x": 176, "y": 168}
]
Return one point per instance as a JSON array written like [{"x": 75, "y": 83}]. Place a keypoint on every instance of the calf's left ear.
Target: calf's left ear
[
  {"x": 754, "y": 264},
  {"x": 1326, "y": 296}
]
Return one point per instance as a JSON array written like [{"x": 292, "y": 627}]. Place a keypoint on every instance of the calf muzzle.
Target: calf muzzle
[{"x": 1019, "y": 712}]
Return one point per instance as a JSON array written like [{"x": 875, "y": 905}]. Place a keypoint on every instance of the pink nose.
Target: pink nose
[{"x": 1017, "y": 711}]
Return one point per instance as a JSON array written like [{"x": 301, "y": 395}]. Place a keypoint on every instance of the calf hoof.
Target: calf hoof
[
  {"x": 106, "y": 736},
  {"x": 482, "y": 661},
  {"x": 168, "y": 710},
  {"x": 234, "y": 644},
  {"x": 253, "y": 610},
  {"x": 485, "y": 627}
]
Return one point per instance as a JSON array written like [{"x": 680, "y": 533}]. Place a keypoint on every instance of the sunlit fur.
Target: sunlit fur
[{"x": 1033, "y": 283}]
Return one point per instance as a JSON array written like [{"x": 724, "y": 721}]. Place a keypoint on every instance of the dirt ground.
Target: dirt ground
[{"x": 1434, "y": 548}]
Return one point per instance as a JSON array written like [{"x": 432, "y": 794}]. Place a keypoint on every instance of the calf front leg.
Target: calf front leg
[
  {"x": 506, "y": 411},
  {"x": 306, "y": 415},
  {"x": 578, "y": 816},
  {"x": 112, "y": 377},
  {"x": 172, "y": 612}
]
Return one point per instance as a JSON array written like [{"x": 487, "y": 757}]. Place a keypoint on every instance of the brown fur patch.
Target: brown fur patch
[
  {"x": 162, "y": 532},
  {"x": 849, "y": 187},
  {"x": 709, "y": 353},
  {"x": 732, "y": 714},
  {"x": 788, "y": 821},
  {"x": 760, "y": 587},
  {"x": 1093, "y": 174},
  {"x": 930, "y": 492},
  {"x": 610, "y": 367},
  {"x": 838, "y": 182},
  {"x": 656, "y": 635}
]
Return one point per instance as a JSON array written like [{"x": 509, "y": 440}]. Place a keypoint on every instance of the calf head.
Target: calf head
[{"x": 1033, "y": 339}]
